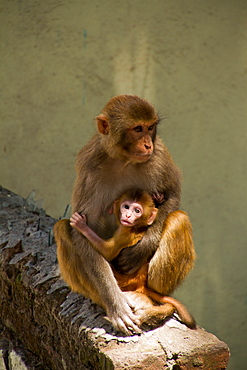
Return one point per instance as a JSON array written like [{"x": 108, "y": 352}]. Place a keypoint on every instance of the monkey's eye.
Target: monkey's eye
[
  {"x": 151, "y": 127},
  {"x": 138, "y": 129},
  {"x": 137, "y": 210},
  {"x": 126, "y": 206}
]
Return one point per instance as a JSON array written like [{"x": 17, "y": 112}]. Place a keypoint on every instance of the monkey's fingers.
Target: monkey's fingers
[
  {"x": 73, "y": 219},
  {"x": 76, "y": 216},
  {"x": 125, "y": 320},
  {"x": 126, "y": 325},
  {"x": 72, "y": 223},
  {"x": 84, "y": 218},
  {"x": 79, "y": 217}
]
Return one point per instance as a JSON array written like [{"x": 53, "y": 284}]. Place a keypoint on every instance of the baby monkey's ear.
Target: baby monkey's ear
[
  {"x": 113, "y": 208},
  {"x": 152, "y": 216}
]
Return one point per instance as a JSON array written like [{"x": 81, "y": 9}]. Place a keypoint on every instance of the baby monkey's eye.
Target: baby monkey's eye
[
  {"x": 137, "y": 210},
  {"x": 126, "y": 206}
]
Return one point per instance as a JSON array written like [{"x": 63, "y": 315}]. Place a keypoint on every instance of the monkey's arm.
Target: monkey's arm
[
  {"x": 151, "y": 239},
  {"x": 107, "y": 248},
  {"x": 168, "y": 199},
  {"x": 104, "y": 247}
]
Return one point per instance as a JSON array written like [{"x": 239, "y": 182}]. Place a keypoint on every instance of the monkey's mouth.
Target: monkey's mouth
[
  {"x": 142, "y": 157},
  {"x": 126, "y": 222}
]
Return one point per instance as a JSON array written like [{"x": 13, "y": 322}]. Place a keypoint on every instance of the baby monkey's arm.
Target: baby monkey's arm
[{"x": 106, "y": 248}]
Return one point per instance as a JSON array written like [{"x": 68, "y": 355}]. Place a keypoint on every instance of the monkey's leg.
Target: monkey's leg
[
  {"x": 70, "y": 265},
  {"x": 181, "y": 310},
  {"x": 156, "y": 315},
  {"x": 88, "y": 273},
  {"x": 175, "y": 255}
]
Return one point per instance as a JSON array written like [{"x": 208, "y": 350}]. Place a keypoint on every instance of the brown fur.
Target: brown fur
[{"x": 105, "y": 170}]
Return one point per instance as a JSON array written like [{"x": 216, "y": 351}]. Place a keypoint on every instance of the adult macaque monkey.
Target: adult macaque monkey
[
  {"x": 134, "y": 211},
  {"x": 125, "y": 153}
]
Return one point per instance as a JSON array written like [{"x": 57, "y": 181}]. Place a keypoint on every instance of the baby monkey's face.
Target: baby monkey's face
[{"x": 130, "y": 212}]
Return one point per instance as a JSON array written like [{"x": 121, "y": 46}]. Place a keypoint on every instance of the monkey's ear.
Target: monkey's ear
[
  {"x": 113, "y": 208},
  {"x": 152, "y": 216},
  {"x": 116, "y": 206},
  {"x": 103, "y": 124}
]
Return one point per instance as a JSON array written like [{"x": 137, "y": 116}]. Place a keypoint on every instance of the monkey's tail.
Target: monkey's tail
[{"x": 181, "y": 310}]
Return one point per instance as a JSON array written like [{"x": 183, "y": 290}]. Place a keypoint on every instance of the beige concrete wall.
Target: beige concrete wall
[{"x": 62, "y": 60}]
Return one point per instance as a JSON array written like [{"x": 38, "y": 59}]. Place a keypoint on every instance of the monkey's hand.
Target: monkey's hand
[
  {"x": 121, "y": 315},
  {"x": 79, "y": 222},
  {"x": 158, "y": 198}
]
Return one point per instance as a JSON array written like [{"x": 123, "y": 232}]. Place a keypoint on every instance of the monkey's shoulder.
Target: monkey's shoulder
[{"x": 91, "y": 155}]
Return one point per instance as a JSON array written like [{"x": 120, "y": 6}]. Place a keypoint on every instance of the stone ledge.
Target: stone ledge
[{"x": 67, "y": 331}]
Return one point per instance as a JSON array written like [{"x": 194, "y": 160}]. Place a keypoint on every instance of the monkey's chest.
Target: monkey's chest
[
  {"x": 114, "y": 179},
  {"x": 118, "y": 180}
]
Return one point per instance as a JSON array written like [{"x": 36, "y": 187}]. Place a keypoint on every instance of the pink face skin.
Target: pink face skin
[{"x": 130, "y": 212}]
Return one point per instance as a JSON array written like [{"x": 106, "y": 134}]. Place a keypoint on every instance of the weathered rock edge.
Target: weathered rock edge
[{"x": 66, "y": 330}]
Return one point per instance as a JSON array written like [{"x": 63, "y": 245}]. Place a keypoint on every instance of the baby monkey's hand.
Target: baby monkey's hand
[{"x": 78, "y": 221}]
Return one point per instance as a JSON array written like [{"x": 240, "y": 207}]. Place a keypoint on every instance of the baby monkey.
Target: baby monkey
[{"x": 135, "y": 211}]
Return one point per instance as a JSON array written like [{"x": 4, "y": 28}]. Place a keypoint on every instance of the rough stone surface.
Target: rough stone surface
[
  {"x": 65, "y": 330},
  {"x": 14, "y": 355}
]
